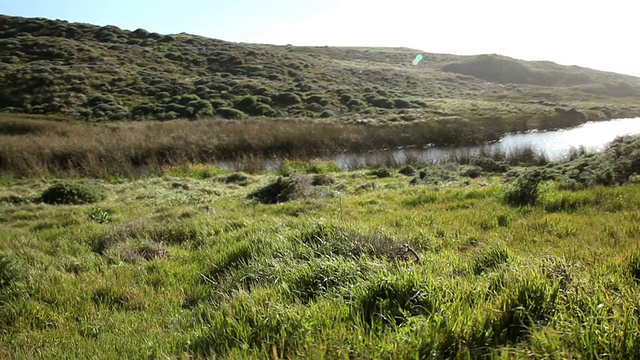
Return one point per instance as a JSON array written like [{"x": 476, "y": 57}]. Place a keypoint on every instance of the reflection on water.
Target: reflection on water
[{"x": 552, "y": 145}]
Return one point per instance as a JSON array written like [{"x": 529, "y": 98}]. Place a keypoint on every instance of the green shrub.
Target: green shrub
[
  {"x": 355, "y": 104},
  {"x": 101, "y": 216},
  {"x": 262, "y": 109},
  {"x": 322, "y": 179},
  {"x": 327, "y": 114},
  {"x": 317, "y": 99},
  {"x": 490, "y": 165},
  {"x": 345, "y": 98},
  {"x": 314, "y": 107},
  {"x": 407, "y": 170},
  {"x": 525, "y": 189},
  {"x": 230, "y": 113},
  {"x": 68, "y": 192},
  {"x": 381, "y": 102},
  {"x": 471, "y": 171},
  {"x": 286, "y": 99},
  {"x": 282, "y": 190},
  {"x": 381, "y": 173},
  {"x": 245, "y": 103},
  {"x": 237, "y": 178},
  {"x": 401, "y": 104},
  {"x": 634, "y": 179}
]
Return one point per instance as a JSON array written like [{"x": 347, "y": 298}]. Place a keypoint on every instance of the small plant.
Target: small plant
[
  {"x": 490, "y": 259},
  {"x": 101, "y": 216},
  {"x": 68, "y": 192},
  {"x": 525, "y": 189}
]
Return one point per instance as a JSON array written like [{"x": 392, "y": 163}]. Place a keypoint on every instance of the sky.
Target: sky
[{"x": 596, "y": 34}]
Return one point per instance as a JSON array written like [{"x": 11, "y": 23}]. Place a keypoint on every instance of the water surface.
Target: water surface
[{"x": 554, "y": 145}]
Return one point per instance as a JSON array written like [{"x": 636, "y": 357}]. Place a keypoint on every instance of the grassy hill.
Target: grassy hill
[{"x": 106, "y": 73}]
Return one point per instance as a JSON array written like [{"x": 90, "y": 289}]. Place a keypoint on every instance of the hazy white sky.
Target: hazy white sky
[{"x": 596, "y": 34}]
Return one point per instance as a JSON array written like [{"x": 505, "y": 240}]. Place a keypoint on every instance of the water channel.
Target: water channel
[{"x": 553, "y": 145}]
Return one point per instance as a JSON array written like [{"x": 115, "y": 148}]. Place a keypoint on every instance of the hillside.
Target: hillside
[{"x": 106, "y": 73}]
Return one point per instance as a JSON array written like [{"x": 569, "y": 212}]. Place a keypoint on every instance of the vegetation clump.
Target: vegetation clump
[
  {"x": 70, "y": 192},
  {"x": 285, "y": 189},
  {"x": 322, "y": 180},
  {"x": 490, "y": 165},
  {"x": 525, "y": 189},
  {"x": 381, "y": 173},
  {"x": 407, "y": 170},
  {"x": 238, "y": 178}
]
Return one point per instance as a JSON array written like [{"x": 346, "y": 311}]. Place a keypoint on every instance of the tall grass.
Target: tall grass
[{"x": 33, "y": 147}]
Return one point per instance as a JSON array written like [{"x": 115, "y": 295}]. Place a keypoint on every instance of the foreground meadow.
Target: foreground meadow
[{"x": 363, "y": 264}]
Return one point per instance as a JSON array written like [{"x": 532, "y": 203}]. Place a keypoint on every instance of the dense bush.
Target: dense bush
[
  {"x": 490, "y": 165},
  {"x": 327, "y": 114},
  {"x": 525, "y": 189},
  {"x": 471, "y": 171},
  {"x": 286, "y": 99},
  {"x": 401, "y": 104},
  {"x": 407, "y": 170},
  {"x": 381, "y": 173},
  {"x": 230, "y": 113},
  {"x": 382, "y": 102},
  {"x": 317, "y": 99},
  {"x": 68, "y": 192}
]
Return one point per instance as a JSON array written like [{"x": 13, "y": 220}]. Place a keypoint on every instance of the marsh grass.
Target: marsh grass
[{"x": 150, "y": 148}]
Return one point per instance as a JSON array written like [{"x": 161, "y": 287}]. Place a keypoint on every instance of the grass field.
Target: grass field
[
  {"x": 364, "y": 264},
  {"x": 120, "y": 240}
]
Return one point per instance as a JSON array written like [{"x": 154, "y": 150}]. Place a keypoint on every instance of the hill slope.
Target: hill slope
[{"x": 106, "y": 73}]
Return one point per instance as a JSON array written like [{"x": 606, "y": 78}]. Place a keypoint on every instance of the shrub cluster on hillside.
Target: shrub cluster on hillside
[{"x": 106, "y": 73}]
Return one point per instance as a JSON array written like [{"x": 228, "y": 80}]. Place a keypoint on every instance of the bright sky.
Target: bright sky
[{"x": 592, "y": 33}]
